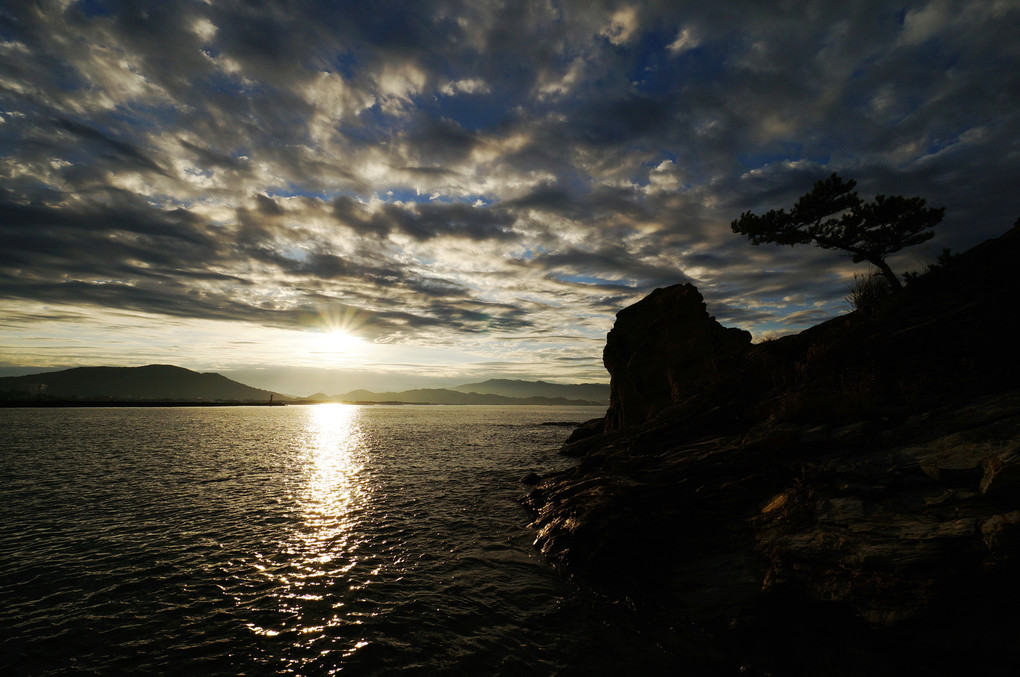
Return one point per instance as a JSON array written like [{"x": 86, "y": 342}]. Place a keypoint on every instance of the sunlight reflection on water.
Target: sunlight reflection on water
[
  {"x": 288, "y": 541},
  {"x": 333, "y": 490},
  {"x": 320, "y": 556}
]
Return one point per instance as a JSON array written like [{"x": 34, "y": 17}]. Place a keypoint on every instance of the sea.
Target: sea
[{"x": 294, "y": 540}]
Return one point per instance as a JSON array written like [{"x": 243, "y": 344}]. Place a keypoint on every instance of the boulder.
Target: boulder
[{"x": 661, "y": 350}]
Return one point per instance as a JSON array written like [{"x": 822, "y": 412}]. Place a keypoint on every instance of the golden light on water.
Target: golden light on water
[
  {"x": 333, "y": 491},
  {"x": 320, "y": 553}
]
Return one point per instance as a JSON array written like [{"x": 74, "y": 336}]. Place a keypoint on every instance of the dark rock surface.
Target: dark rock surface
[
  {"x": 843, "y": 501},
  {"x": 662, "y": 350}
]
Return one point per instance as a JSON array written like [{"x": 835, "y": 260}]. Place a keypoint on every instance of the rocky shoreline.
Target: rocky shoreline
[{"x": 844, "y": 501}]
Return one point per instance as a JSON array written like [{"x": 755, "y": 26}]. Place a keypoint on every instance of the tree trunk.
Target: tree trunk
[{"x": 887, "y": 273}]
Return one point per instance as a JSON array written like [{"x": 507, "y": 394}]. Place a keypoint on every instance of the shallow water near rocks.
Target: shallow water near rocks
[{"x": 326, "y": 539}]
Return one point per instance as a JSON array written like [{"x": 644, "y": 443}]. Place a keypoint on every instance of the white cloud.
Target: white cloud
[
  {"x": 400, "y": 81},
  {"x": 921, "y": 24},
  {"x": 622, "y": 26},
  {"x": 664, "y": 178},
  {"x": 204, "y": 29},
  {"x": 466, "y": 86},
  {"x": 552, "y": 85},
  {"x": 685, "y": 40}
]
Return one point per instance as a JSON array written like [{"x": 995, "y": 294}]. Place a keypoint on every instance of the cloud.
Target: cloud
[
  {"x": 424, "y": 221},
  {"x": 473, "y": 172},
  {"x": 921, "y": 24},
  {"x": 685, "y": 40},
  {"x": 466, "y": 86},
  {"x": 622, "y": 25}
]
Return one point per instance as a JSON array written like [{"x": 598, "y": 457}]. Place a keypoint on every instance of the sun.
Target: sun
[
  {"x": 337, "y": 341},
  {"x": 337, "y": 334}
]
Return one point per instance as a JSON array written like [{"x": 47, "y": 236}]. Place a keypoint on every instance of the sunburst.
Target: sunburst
[
  {"x": 340, "y": 330},
  {"x": 340, "y": 342}
]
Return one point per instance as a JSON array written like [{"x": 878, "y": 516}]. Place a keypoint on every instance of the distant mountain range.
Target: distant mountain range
[
  {"x": 596, "y": 392},
  {"x": 493, "y": 391},
  {"x": 445, "y": 396},
  {"x": 161, "y": 382}
]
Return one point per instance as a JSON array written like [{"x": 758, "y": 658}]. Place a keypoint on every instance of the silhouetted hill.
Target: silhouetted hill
[
  {"x": 152, "y": 382},
  {"x": 596, "y": 392},
  {"x": 444, "y": 396}
]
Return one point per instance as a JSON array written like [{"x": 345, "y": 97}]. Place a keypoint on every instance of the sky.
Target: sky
[{"x": 320, "y": 196}]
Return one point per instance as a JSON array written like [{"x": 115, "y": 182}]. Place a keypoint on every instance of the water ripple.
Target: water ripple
[{"x": 297, "y": 540}]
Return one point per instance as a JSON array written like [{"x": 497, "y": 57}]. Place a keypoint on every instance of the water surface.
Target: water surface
[{"x": 290, "y": 540}]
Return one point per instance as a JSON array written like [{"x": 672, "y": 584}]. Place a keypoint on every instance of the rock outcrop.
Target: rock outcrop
[
  {"x": 843, "y": 501},
  {"x": 663, "y": 350}
]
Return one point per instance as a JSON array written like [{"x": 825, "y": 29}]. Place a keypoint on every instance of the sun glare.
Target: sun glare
[
  {"x": 337, "y": 335},
  {"x": 340, "y": 342}
]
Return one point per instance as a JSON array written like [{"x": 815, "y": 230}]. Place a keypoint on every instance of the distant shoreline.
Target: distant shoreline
[
  {"x": 132, "y": 403},
  {"x": 22, "y": 404},
  {"x": 364, "y": 403},
  {"x": 158, "y": 385}
]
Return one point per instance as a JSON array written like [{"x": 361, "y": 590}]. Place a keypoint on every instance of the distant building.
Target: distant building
[{"x": 36, "y": 389}]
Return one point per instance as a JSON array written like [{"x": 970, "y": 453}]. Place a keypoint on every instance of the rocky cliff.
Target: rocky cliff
[
  {"x": 842, "y": 501},
  {"x": 662, "y": 350}
]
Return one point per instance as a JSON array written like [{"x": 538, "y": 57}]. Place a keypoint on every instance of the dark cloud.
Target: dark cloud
[
  {"x": 424, "y": 221},
  {"x": 52, "y": 239},
  {"x": 107, "y": 147},
  {"x": 441, "y": 142},
  {"x": 588, "y": 205},
  {"x": 267, "y": 206},
  {"x": 210, "y": 158},
  {"x": 607, "y": 268}
]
